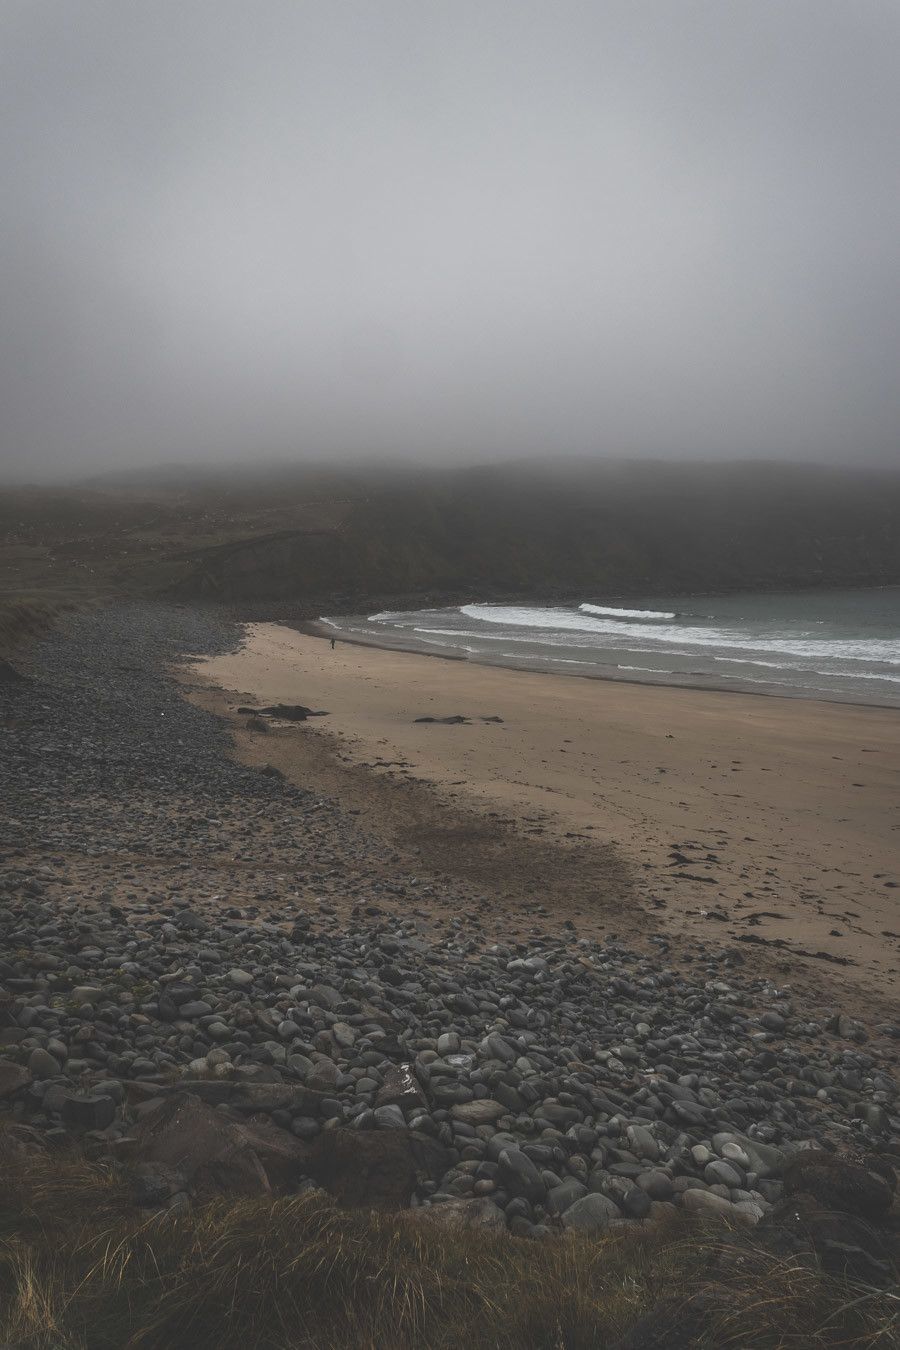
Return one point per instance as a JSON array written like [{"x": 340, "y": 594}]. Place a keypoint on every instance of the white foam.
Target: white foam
[
  {"x": 460, "y": 633},
  {"x": 567, "y": 661},
  {"x": 748, "y": 661},
  {"x": 614, "y": 612},
  {"x": 873, "y": 651}
]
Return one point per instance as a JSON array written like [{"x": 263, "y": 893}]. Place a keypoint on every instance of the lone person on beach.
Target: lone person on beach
[{"x": 332, "y": 644}]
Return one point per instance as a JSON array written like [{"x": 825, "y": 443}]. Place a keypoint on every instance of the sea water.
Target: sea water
[{"x": 841, "y": 645}]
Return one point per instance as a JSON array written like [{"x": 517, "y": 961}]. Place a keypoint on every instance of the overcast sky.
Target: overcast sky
[{"x": 448, "y": 229}]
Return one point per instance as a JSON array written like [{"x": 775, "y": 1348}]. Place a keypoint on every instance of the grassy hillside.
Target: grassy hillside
[
  {"x": 304, "y": 538},
  {"x": 518, "y": 531}
]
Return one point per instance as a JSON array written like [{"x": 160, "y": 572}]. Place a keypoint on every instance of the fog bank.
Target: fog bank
[{"x": 447, "y": 233}]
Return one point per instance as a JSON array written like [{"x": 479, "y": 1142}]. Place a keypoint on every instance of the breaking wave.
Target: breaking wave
[{"x": 613, "y": 612}]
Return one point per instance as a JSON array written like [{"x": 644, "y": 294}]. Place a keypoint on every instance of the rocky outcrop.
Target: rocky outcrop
[
  {"x": 859, "y": 1185},
  {"x": 284, "y": 712},
  {"x": 836, "y": 1210},
  {"x": 213, "y": 1151}
]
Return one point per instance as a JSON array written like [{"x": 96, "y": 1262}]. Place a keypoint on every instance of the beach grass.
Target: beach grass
[{"x": 82, "y": 1269}]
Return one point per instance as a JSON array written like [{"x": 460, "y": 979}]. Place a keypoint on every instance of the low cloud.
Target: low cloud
[{"x": 448, "y": 232}]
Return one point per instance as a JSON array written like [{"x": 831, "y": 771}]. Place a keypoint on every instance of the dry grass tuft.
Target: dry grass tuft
[
  {"x": 26, "y": 615},
  {"x": 80, "y": 1269}
]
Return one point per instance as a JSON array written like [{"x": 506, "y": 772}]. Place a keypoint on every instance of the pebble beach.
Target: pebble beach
[{"x": 172, "y": 919}]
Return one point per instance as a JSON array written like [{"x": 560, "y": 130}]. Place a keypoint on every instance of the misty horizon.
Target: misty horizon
[{"x": 410, "y": 234}]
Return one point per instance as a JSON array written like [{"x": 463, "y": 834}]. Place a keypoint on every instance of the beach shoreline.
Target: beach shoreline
[
  {"x": 796, "y": 865},
  {"x": 321, "y": 628}
]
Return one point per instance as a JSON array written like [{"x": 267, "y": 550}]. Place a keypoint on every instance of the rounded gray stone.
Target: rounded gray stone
[{"x": 591, "y": 1214}]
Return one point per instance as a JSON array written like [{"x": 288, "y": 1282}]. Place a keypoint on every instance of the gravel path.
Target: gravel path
[{"x": 168, "y": 916}]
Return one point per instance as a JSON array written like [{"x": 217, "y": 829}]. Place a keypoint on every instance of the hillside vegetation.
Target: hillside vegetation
[{"x": 305, "y": 538}]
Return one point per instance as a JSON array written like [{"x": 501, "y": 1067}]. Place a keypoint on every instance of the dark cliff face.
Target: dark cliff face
[{"x": 513, "y": 531}]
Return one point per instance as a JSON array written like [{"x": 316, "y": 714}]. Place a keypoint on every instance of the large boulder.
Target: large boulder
[
  {"x": 377, "y": 1169},
  {"x": 862, "y": 1186},
  {"x": 217, "y": 1151},
  {"x": 844, "y": 1244}
]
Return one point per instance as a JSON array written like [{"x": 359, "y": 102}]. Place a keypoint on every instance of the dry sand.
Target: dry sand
[{"x": 736, "y": 814}]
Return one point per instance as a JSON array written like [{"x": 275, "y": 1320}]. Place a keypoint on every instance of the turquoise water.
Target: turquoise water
[{"x": 817, "y": 644}]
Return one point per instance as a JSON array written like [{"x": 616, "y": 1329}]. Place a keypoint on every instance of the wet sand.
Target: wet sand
[{"x": 737, "y": 817}]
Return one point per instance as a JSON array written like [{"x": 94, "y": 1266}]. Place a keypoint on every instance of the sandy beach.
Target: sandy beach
[{"x": 761, "y": 820}]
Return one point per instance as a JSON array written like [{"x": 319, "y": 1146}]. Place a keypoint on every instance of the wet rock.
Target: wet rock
[
  {"x": 286, "y": 712},
  {"x": 455, "y": 719}
]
